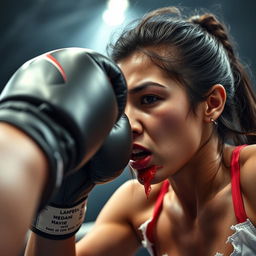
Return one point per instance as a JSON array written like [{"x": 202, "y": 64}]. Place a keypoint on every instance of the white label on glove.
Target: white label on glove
[{"x": 61, "y": 221}]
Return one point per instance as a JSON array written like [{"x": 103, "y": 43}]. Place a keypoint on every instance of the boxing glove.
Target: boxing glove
[
  {"x": 67, "y": 101},
  {"x": 65, "y": 213}
]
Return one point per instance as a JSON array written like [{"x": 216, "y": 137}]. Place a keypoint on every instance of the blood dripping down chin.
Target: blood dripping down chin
[{"x": 145, "y": 177}]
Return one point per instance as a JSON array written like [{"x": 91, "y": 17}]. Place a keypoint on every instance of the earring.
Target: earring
[{"x": 213, "y": 121}]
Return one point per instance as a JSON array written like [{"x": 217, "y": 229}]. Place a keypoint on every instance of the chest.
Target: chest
[
  {"x": 175, "y": 235},
  {"x": 201, "y": 238}
]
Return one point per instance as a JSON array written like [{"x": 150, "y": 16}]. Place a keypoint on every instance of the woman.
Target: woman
[{"x": 192, "y": 112}]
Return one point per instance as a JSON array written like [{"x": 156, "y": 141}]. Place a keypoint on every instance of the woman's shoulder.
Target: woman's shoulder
[
  {"x": 134, "y": 191},
  {"x": 247, "y": 161},
  {"x": 139, "y": 206},
  {"x": 248, "y": 158},
  {"x": 129, "y": 202},
  {"x": 248, "y": 176},
  {"x": 130, "y": 198}
]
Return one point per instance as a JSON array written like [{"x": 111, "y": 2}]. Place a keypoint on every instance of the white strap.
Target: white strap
[{"x": 61, "y": 221}]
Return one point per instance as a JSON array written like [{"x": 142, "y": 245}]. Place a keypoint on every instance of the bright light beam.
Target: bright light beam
[{"x": 114, "y": 15}]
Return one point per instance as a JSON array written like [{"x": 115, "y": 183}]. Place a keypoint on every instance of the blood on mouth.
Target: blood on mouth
[{"x": 140, "y": 161}]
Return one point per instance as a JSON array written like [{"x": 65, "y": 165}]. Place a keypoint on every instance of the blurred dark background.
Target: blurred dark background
[{"x": 31, "y": 27}]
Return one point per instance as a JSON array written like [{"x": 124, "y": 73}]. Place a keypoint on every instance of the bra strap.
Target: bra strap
[
  {"x": 235, "y": 186},
  {"x": 157, "y": 210}
]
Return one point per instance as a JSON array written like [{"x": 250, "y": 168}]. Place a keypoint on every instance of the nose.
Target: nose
[{"x": 135, "y": 122}]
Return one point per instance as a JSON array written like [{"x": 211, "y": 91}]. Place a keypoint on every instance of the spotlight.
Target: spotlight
[{"x": 115, "y": 13}]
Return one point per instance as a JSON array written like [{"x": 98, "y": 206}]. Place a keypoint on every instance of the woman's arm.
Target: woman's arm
[
  {"x": 113, "y": 233},
  {"x": 23, "y": 171}
]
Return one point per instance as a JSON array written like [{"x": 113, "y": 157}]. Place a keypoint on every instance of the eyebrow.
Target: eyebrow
[{"x": 144, "y": 86}]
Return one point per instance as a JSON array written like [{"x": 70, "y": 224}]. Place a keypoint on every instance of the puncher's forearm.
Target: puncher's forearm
[{"x": 23, "y": 173}]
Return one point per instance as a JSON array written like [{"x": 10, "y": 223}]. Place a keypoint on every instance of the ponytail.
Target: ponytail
[{"x": 244, "y": 99}]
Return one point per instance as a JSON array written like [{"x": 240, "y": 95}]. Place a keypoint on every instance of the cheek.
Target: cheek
[
  {"x": 176, "y": 135},
  {"x": 170, "y": 123}
]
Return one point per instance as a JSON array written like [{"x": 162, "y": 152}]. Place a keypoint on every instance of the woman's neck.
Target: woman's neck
[{"x": 202, "y": 178}]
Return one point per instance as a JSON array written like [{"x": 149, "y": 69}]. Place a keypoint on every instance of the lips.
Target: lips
[
  {"x": 140, "y": 158},
  {"x": 140, "y": 161}
]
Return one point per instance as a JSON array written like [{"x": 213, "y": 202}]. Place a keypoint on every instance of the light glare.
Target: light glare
[
  {"x": 115, "y": 13},
  {"x": 120, "y": 5}
]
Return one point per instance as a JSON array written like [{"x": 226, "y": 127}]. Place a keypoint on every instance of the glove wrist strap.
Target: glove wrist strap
[{"x": 60, "y": 223}]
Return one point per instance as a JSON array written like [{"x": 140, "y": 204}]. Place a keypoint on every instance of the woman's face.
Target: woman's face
[{"x": 166, "y": 134}]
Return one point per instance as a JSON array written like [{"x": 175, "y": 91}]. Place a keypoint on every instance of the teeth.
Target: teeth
[{"x": 136, "y": 151}]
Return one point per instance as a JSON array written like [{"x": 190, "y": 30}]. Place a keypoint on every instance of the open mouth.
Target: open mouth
[
  {"x": 138, "y": 154},
  {"x": 141, "y": 161},
  {"x": 140, "y": 157}
]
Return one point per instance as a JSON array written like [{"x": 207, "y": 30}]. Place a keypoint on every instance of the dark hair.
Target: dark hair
[{"x": 199, "y": 53}]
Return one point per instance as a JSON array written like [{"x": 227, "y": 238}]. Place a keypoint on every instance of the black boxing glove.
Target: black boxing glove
[
  {"x": 65, "y": 213},
  {"x": 67, "y": 100}
]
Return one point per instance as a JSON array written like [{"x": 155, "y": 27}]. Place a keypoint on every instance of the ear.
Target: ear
[{"x": 214, "y": 103}]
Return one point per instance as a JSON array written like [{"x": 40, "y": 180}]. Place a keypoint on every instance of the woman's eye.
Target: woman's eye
[{"x": 149, "y": 99}]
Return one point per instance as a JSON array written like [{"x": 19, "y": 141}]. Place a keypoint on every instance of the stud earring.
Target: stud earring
[{"x": 213, "y": 121}]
